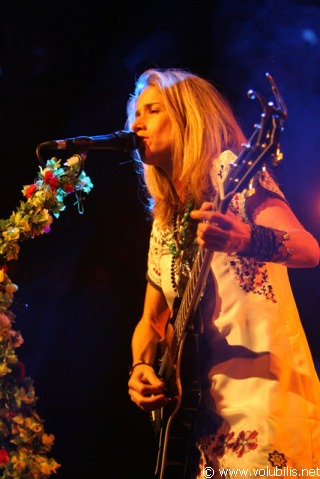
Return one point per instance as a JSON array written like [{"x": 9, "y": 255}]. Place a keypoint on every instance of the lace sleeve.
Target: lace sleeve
[{"x": 266, "y": 180}]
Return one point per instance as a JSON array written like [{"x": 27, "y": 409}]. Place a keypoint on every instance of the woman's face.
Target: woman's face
[{"x": 153, "y": 125}]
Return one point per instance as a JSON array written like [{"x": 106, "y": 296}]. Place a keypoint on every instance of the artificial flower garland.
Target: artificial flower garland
[{"x": 24, "y": 445}]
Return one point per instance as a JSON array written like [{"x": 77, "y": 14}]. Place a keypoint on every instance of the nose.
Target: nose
[{"x": 137, "y": 124}]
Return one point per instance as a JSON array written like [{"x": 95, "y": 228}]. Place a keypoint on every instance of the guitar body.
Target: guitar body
[
  {"x": 179, "y": 352},
  {"x": 173, "y": 423}
]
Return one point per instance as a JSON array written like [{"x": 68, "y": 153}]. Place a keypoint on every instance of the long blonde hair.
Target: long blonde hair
[{"x": 203, "y": 126}]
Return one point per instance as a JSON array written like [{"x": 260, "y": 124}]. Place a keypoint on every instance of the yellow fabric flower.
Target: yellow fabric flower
[
  {"x": 4, "y": 369},
  {"x": 26, "y": 397},
  {"x": 19, "y": 419},
  {"x": 11, "y": 234},
  {"x": 19, "y": 461}
]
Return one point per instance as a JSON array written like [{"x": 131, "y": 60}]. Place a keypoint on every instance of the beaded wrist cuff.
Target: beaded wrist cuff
[{"x": 268, "y": 244}]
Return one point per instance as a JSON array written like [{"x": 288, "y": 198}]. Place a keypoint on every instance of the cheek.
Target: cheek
[{"x": 165, "y": 135}]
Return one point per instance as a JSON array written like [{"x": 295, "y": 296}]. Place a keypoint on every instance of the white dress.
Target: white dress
[{"x": 262, "y": 405}]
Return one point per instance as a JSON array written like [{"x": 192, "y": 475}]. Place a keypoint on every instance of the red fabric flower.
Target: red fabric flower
[
  {"x": 30, "y": 190},
  {"x": 4, "y": 456},
  {"x": 68, "y": 188},
  {"x": 4, "y": 268},
  {"x": 50, "y": 179}
]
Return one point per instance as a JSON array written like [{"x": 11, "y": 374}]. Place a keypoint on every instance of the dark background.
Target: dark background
[{"x": 67, "y": 69}]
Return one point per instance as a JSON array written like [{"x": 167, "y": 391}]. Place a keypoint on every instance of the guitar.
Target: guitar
[{"x": 172, "y": 424}]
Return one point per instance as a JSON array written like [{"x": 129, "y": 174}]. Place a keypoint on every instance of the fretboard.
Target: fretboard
[{"x": 187, "y": 308}]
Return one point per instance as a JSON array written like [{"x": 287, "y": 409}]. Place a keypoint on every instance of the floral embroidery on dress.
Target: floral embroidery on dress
[
  {"x": 252, "y": 276},
  {"x": 246, "y": 442},
  {"x": 159, "y": 240},
  {"x": 205, "y": 442},
  {"x": 238, "y": 206},
  {"x": 225, "y": 442},
  {"x": 277, "y": 459}
]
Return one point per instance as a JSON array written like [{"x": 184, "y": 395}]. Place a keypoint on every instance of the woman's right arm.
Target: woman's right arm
[{"x": 145, "y": 388}]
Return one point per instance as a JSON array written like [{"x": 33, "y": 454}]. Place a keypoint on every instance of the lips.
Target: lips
[{"x": 142, "y": 143}]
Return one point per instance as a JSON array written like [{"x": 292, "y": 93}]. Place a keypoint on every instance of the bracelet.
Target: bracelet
[
  {"x": 268, "y": 244},
  {"x": 138, "y": 364},
  {"x": 282, "y": 253}
]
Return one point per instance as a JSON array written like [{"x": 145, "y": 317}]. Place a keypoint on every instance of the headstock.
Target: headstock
[{"x": 263, "y": 145}]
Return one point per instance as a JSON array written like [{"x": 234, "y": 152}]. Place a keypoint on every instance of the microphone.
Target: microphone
[{"x": 124, "y": 141}]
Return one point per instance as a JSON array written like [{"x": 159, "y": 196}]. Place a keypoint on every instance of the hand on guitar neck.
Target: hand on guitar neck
[{"x": 221, "y": 232}]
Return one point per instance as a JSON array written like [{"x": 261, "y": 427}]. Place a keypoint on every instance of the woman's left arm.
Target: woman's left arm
[
  {"x": 228, "y": 233},
  {"x": 303, "y": 246}
]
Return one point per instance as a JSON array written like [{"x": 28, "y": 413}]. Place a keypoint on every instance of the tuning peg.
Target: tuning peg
[
  {"x": 250, "y": 191},
  {"x": 277, "y": 157}
]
